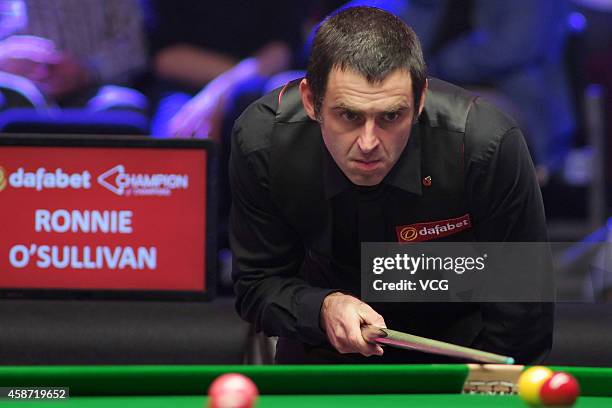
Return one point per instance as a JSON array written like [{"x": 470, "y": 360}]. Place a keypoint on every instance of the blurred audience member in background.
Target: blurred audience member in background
[
  {"x": 210, "y": 60},
  {"x": 214, "y": 48},
  {"x": 596, "y": 47},
  {"x": 509, "y": 51},
  {"x": 68, "y": 49}
]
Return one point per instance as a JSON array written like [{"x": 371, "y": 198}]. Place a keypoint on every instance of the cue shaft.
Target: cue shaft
[{"x": 394, "y": 338}]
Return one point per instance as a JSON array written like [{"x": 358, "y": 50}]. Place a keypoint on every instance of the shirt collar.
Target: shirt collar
[{"x": 405, "y": 175}]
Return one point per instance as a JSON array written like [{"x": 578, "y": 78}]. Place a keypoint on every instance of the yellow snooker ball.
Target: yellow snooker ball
[{"x": 530, "y": 382}]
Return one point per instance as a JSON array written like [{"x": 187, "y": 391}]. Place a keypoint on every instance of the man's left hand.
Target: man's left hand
[{"x": 65, "y": 76}]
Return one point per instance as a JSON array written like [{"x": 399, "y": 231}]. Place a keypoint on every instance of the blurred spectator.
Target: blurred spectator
[
  {"x": 596, "y": 45},
  {"x": 210, "y": 60},
  {"x": 68, "y": 49},
  {"x": 214, "y": 48},
  {"x": 514, "y": 48}
]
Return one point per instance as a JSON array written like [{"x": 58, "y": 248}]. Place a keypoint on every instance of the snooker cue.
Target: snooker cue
[{"x": 373, "y": 334}]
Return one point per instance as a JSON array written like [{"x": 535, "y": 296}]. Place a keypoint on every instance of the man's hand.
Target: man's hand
[
  {"x": 27, "y": 56},
  {"x": 342, "y": 317},
  {"x": 66, "y": 75},
  {"x": 54, "y": 72},
  {"x": 200, "y": 117}
]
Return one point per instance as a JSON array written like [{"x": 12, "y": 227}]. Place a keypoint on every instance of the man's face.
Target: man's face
[{"x": 365, "y": 126}]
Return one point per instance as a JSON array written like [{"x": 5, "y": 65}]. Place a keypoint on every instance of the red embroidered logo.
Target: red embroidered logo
[{"x": 426, "y": 231}]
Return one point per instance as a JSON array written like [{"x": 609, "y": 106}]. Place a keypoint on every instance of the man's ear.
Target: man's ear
[
  {"x": 423, "y": 96},
  {"x": 307, "y": 99}
]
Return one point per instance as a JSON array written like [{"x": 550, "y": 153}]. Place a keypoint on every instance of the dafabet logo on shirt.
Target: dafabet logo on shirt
[
  {"x": 426, "y": 231},
  {"x": 408, "y": 234}
]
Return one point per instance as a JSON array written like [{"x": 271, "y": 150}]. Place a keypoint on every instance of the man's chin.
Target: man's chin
[{"x": 369, "y": 180}]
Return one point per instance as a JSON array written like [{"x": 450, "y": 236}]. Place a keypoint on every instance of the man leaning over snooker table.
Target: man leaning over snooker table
[{"x": 365, "y": 143}]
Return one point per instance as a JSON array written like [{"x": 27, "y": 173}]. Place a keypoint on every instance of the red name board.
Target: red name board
[{"x": 101, "y": 218}]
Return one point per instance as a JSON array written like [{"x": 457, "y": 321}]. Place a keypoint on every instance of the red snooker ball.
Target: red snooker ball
[
  {"x": 232, "y": 391},
  {"x": 560, "y": 390}
]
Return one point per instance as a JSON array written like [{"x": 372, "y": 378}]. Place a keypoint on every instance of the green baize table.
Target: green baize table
[{"x": 185, "y": 386}]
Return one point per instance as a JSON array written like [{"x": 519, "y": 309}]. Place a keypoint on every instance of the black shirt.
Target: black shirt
[{"x": 297, "y": 222}]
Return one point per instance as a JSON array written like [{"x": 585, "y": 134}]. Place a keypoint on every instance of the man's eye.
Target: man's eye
[
  {"x": 350, "y": 116},
  {"x": 391, "y": 116}
]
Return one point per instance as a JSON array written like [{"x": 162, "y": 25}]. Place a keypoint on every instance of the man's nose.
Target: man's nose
[{"x": 368, "y": 140}]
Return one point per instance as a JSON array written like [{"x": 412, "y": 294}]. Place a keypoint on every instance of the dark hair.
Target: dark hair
[{"x": 369, "y": 41}]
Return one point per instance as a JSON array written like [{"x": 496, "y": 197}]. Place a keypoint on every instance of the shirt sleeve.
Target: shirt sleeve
[
  {"x": 268, "y": 253},
  {"x": 506, "y": 205}
]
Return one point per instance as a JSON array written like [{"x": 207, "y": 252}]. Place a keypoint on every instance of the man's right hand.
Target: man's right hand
[
  {"x": 27, "y": 56},
  {"x": 342, "y": 317}
]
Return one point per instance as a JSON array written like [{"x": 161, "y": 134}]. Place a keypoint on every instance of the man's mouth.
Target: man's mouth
[{"x": 367, "y": 165}]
